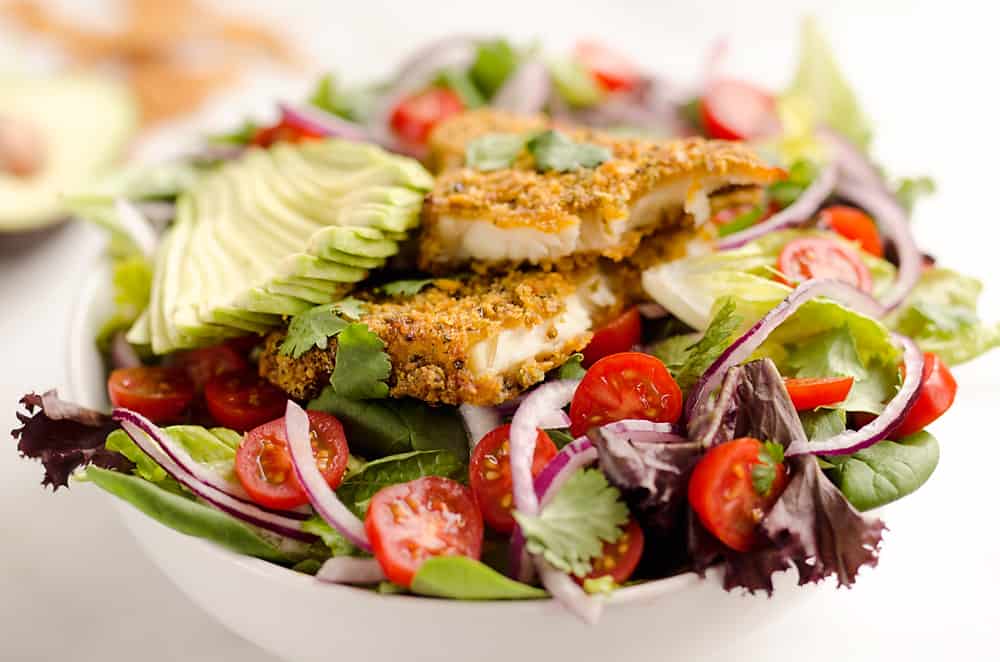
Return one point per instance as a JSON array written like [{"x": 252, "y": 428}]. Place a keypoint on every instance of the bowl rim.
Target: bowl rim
[{"x": 80, "y": 345}]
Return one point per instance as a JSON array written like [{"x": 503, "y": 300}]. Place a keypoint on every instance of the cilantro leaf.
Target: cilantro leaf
[
  {"x": 688, "y": 363},
  {"x": 912, "y": 188},
  {"x": 553, "y": 150},
  {"x": 584, "y": 514},
  {"x": 763, "y": 474},
  {"x": 315, "y": 327},
  {"x": 362, "y": 365},
  {"x": 573, "y": 368},
  {"x": 406, "y": 288},
  {"x": 494, "y": 151}
]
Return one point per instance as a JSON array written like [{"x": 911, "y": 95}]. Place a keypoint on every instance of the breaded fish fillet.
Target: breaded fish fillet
[
  {"x": 519, "y": 215},
  {"x": 481, "y": 340}
]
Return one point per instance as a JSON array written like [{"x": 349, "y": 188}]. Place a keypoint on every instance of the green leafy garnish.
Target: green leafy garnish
[
  {"x": 131, "y": 280},
  {"x": 912, "y": 188},
  {"x": 800, "y": 176},
  {"x": 240, "y": 136},
  {"x": 822, "y": 424},
  {"x": 356, "y": 491},
  {"x": 553, "y": 150},
  {"x": 559, "y": 437},
  {"x": 334, "y": 541},
  {"x": 887, "y": 471},
  {"x": 461, "y": 84},
  {"x": 741, "y": 222},
  {"x": 574, "y": 83},
  {"x": 462, "y": 578},
  {"x": 362, "y": 366},
  {"x": 688, "y": 361},
  {"x": 315, "y": 327},
  {"x": 353, "y": 103},
  {"x": 573, "y": 368},
  {"x": 584, "y": 514},
  {"x": 763, "y": 474},
  {"x": 495, "y": 61},
  {"x": 494, "y": 151},
  {"x": 406, "y": 288}
]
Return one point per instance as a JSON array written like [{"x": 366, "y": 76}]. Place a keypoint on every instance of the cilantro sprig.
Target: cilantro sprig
[
  {"x": 764, "y": 474},
  {"x": 553, "y": 151},
  {"x": 315, "y": 327}
]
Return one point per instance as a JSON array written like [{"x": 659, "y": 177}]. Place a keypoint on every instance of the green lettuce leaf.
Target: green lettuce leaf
[
  {"x": 461, "y": 84},
  {"x": 358, "y": 489},
  {"x": 575, "y": 84},
  {"x": 572, "y": 529},
  {"x": 822, "y": 424},
  {"x": 910, "y": 189},
  {"x": 362, "y": 366},
  {"x": 332, "y": 539},
  {"x": 495, "y": 61},
  {"x": 131, "y": 281},
  {"x": 462, "y": 578}
]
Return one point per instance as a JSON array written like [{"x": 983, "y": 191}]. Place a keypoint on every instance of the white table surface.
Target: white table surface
[{"x": 73, "y": 585}]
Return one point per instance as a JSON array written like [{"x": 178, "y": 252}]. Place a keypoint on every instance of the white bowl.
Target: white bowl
[{"x": 298, "y": 618}]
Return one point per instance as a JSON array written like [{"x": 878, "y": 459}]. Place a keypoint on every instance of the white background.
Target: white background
[{"x": 73, "y": 585}]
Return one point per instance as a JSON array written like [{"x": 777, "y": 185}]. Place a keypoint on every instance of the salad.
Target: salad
[{"x": 510, "y": 325}]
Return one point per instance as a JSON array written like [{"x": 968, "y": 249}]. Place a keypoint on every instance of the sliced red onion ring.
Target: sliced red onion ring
[
  {"x": 644, "y": 431},
  {"x": 554, "y": 420},
  {"x": 135, "y": 225},
  {"x": 123, "y": 354},
  {"x": 538, "y": 406},
  {"x": 747, "y": 344},
  {"x": 314, "y": 120},
  {"x": 895, "y": 411},
  {"x": 478, "y": 421},
  {"x": 351, "y": 570},
  {"x": 893, "y": 222},
  {"x": 526, "y": 91},
  {"x": 795, "y": 214},
  {"x": 853, "y": 165},
  {"x": 179, "y": 455},
  {"x": 150, "y": 440},
  {"x": 562, "y": 587},
  {"x": 652, "y": 311},
  {"x": 323, "y": 499}
]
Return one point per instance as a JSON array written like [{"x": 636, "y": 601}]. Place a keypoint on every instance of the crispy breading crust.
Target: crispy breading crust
[
  {"x": 521, "y": 197},
  {"x": 429, "y": 338}
]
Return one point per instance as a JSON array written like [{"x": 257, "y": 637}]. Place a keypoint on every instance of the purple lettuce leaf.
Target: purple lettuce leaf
[{"x": 64, "y": 437}]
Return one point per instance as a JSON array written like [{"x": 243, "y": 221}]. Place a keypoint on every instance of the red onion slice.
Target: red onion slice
[
  {"x": 526, "y": 91},
  {"x": 747, "y": 344},
  {"x": 539, "y": 405},
  {"x": 554, "y": 420},
  {"x": 351, "y": 570},
  {"x": 795, "y": 214},
  {"x": 314, "y": 120},
  {"x": 478, "y": 421},
  {"x": 150, "y": 440},
  {"x": 562, "y": 587},
  {"x": 323, "y": 499},
  {"x": 895, "y": 411},
  {"x": 644, "y": 431}
]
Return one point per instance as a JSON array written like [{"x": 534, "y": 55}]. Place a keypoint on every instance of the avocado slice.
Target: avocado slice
[{"x": 82, "y": 126}]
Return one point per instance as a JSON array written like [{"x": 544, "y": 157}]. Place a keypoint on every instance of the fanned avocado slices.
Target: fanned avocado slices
[{"x": 274, "y": 233}]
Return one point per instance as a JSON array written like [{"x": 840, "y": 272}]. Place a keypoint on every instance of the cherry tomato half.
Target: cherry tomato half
[
  {"x": 722, "y": 494},
  {"x": 282, "y": 131},
  {"x": 409, "y": 523},
  {"x": 619, "y": 558},
  {"x": 855, "y": 225},
  {"x": 201, "y": 365},
  {"x": 416, "y": 115},
  {"x": 735, "y": 110},
  {"x": 159, "y": 393},
  {"x": 808, "y": 393},
  {"x": 619, "y": 335},
  {"x": 614, "y": 71},
  {"x": 817, "y": 257},
  {"x": 264, "y": 464},
  {"x": 490, "y": 477},
  {"x": 242, "y": 400},
  {"x": 937, "y": 393},
  {"x": 623, "y": 386}
]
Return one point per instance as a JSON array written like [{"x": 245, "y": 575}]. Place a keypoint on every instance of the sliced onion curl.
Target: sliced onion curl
[
  {"x": 317, "y": 121},
  {"x": 478, "y": 421},
  {"x": 123, "y": 354},
  {"x": 644, "y": 431},
  {"x": 526, "y": 91},
  {"x": 895, "y": 411},
  {"x": 652, "y": 311},
  {"x": 796, "y": 214},
  {"x": 562, "y": 587},
  {"x": 351, "y": 570},
  {"x": 323, "y": 499},
  {"x": 747, "y": 344},
  {"x": 153, "y": 441}
]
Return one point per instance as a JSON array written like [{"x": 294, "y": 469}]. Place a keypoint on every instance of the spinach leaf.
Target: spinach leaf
[
  {"x": 186, "y": 515},
  {"x": 554, "y": 150},
  {"x": 462, "y": 578},
  {"x": 376, "y": 428},
  {"x": 495, "y": 61},
  {"x": 357, "y": 491},
  {"x": 821, "y": 424},
  {"x": 885, "y": 472}
]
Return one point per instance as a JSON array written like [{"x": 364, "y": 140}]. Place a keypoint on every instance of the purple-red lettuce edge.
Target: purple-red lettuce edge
[{"x": 64, "y": 437}]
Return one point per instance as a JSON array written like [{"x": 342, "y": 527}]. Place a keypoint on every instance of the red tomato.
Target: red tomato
[
  {"x": 855, "y": 225},
  {"x": 816, "y": 257},
  {"x": 937, "y": 392},
  {"x": 619, "y": 335},
  {"x": 160, "y": 394},
  {"x": 490, "y": 478},
  {"x": 283, "y": 132},
  {"x": 734, "y": 110},
  {"x": 621, "y": 386},
  {"x": 243, "y": 400},
  {"x": 614, "y": 71},
  {"x": 808, "y": 393},
  {"x": 619, "y": 558},
  {"x": 264, "y": 464},
  {"x": 201, "y": 365},
  {"x": 416, "y": 115},
  {"x": 410, "y": 522},
  {"x": 721, "y": 492}
]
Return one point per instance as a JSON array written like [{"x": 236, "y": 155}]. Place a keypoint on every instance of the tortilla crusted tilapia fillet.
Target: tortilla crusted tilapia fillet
[
  {"x": 519, "y": 215},
  {"x": 481, "y": 340}
]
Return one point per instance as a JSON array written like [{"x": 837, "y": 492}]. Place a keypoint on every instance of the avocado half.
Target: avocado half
[{"x": 84, "y": 125}]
